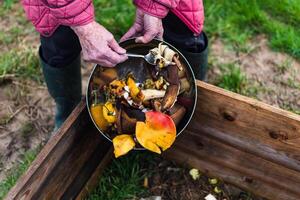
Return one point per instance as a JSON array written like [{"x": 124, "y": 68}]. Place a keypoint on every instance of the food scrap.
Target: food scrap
[{"x": 141, "y": 114}]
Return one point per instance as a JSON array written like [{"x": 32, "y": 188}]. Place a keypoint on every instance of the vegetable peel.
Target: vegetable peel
[
  {"x": 97, "y": 114},
  {"x": 157, "y": 133},
  {"x": 123, "y": 144}
]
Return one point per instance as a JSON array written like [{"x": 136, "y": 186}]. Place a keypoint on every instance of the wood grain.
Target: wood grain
[
  {"x": 67, "y": 161},
  {"x": 240, "y": 140},
  {"x": 244, "y": 142}
]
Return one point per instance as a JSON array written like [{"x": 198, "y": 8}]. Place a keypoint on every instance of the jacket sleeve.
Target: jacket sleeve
[
  {"x": 72, "y": 12},
  {"x": 157, "y": 8}
]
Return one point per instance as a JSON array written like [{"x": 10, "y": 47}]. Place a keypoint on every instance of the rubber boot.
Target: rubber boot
[
  {"x": 193, "y": 47},
  {"x": 198, "y": 62},
  {"x": 64, "y": 86}
]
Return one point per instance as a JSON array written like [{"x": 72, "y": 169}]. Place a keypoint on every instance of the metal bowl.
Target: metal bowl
[{"x": 138, "y": 67}]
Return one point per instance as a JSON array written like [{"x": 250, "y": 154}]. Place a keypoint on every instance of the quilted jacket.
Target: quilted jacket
[
  {"x": 47, "y": 15},
  {"x": 191, "y": 12}
]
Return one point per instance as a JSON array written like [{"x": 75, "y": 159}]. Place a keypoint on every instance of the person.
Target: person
[{"x": 68, "y": 29}]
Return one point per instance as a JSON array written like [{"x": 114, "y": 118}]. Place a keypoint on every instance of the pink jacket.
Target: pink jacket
[
  {"x": 47, "y": 15},
  {"x": 191, "y": 12}
]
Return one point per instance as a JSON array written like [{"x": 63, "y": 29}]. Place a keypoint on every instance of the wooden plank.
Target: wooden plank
[
  {"x": 271, "y": 132},
  {"x": 240, "y": 140},
  {"x": 67, "y": 161},
  {"x": 244, "y": 142},
  {"x": 94, "y": 179}
]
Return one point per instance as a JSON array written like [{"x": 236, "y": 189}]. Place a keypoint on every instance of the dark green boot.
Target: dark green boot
[
  {"x": 198, "y": 62},
  {"x": 64, "y": 85}
]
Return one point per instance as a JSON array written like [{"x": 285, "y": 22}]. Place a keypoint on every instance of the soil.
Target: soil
[
  {"x": 274, "y": 75},
  {"x": 26, "y": 108},
  {"x": 26, "y": 118},
  {"x": 171, "y": 182}
]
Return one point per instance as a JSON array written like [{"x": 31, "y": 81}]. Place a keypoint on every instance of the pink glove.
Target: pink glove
[
  {"x": 98, "y": 45},
  {"x": 145, "y": 27}
]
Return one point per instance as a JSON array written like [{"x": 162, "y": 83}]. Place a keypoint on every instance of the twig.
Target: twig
[
  {"x": 7, "y": 76},
  {"x": 30, "y": 86},
  {"x": 14, "y": 114},
  {"x": 239, "y": 58}
]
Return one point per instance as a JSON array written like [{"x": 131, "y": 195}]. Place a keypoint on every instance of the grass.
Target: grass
[
  {"x": 116, "y": 15},
  {"x": 7, "y": 4},
  {"x": 232, "y": 79},
  {"x": 23, "y": 64},
  {"x": 17, "y": 171},
  {"x": 17, "y": 57},
  {"x": 123, "y": 179},
  {"x": 238, "y": 21},
  {"x": 284, "y": 66}
]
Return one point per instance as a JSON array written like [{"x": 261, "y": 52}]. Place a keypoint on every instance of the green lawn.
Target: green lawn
[
  {"x": 238, "y": 21},
  {"x": 15, "y": 173},
  {"x": 123, "y": 179}
]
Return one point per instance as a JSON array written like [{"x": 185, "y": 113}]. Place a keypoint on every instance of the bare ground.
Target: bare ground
[
  {"x": 275, "y": 75},
  {"x": 26, "y": 109}
]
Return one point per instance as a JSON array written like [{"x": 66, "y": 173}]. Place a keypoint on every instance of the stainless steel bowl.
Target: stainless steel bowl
[{"x": 138, "y": 68}]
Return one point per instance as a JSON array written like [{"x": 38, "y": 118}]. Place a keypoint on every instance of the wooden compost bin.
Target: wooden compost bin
[{"x": 240, "y": 140}]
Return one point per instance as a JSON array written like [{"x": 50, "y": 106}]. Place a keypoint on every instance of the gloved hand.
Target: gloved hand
[
  {"x": 98, "y": 45},
  {"x": 145, "y": 27}
]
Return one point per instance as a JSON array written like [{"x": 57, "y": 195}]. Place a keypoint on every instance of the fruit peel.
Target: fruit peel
[
  {"x": 109, "y": 112},
  {"x": 157, "y": 132},
  {"x": 97, "y": 115},
  {"x": 123, "y": 144}
]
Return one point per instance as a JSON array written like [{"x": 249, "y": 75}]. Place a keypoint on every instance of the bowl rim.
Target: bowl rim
[{"x": 186, "y": 62}]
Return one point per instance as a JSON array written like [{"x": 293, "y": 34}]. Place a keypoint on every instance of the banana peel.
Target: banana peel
[{"x": 172, "y": 90}]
